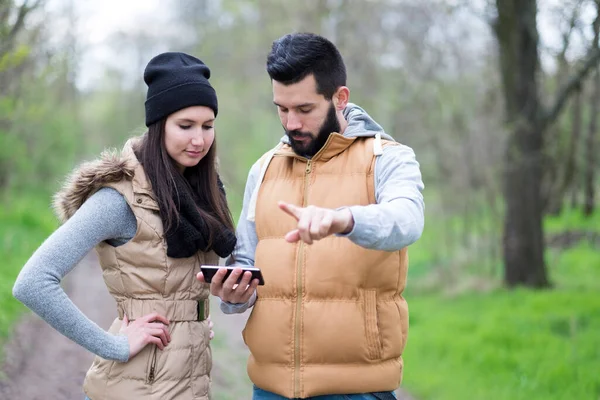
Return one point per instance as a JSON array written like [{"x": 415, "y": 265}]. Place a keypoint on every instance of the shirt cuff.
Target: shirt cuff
[
  {"x": 353, "y": 212},
  {"x": 237, "y": 308},
  {"x": 123, "y": 348}
]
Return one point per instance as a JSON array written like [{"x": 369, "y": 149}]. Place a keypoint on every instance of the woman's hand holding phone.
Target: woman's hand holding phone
[{"x": 229, "y": 289}]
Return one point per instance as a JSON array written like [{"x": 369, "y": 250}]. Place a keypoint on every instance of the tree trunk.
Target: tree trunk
[
  {"x": 591, "y": 157},
  {"x": 12, "y": 24},
  {"x": 571, "y": 172},
  {"x": 523, "y": 241},
  {"x": 565, "y": 184},
  {"x": 558, "y": 177}
]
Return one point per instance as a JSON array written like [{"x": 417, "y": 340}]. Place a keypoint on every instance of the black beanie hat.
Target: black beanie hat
[{"x": 176, "y": 81}]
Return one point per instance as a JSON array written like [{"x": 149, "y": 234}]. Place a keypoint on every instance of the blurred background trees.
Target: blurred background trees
[
  {"x": 527, "y": 120},
  {"x": 499, "y": 99},
  {"x": 469, "y": 85}
]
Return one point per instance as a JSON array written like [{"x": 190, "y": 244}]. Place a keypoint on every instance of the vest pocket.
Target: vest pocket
[
  {"x": 371, "y": 325},
  {"x": 151, "y": 370}
]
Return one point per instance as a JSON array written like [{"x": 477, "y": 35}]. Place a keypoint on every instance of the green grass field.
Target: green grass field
[
  {"x": 467, "y": 344},
  {"x": 24, "y": 224},
  {"x": 517, "y": 344}
]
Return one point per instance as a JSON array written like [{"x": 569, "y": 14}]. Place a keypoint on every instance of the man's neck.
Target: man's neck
[{"x": 343, "y": 123}]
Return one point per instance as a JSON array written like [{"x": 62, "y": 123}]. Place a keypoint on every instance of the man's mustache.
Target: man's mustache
[{"x": 298, "y": 134}]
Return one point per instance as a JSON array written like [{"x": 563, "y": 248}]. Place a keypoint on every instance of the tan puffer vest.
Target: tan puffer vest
[
  {"x": 142, "y": 279},
  {"x": 331, "y": 317}
]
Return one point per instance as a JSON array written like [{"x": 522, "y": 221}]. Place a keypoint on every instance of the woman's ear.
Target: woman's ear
[{"x": 341, "y": 98}]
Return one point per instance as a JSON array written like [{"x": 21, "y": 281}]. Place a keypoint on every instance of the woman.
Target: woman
[{"x": 155, "y": 213}]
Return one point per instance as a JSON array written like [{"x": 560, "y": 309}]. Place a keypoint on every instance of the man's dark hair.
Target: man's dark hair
[{"x": 295, "y": 56}]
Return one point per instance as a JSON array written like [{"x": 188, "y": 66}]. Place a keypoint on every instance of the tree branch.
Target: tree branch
[
  {"x": 24, "y": 9},
  {"x": 569, "y": 87},
  {"x": 566, "y": 36}
]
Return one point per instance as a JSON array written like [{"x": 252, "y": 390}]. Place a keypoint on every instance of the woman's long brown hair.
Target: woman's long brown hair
[{"x": 200, "y": 179}]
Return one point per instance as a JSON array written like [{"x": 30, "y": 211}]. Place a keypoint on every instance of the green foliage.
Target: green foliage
[
  {"x": 576, "y": 268},
  {"x": 24, "y": 223},
  {"x": 13, "y": 59},
  {"x": 41, "y": 136},
  {"x": 572, "y": 219},
  {"x": 455, "y": 246}
]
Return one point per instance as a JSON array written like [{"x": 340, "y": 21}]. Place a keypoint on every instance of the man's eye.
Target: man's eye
[
  {"x": 184, "y": 127},
  {"x": 305, "y": 111},
  {"x": 283, "y": 110}
]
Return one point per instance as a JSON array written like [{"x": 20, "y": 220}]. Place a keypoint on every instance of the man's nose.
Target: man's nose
[{"x": 293, "y": 122}]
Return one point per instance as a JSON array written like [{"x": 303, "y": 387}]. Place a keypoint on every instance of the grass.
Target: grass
[
  {"x": 517, "y": 344},
  {"x": 463, "y": 344},
  {"x": 24, "y": 224}
]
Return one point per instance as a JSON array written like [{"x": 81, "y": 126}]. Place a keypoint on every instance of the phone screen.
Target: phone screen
[{"x": 209, "y": 271}]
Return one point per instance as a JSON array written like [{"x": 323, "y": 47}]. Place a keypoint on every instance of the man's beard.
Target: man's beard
[{"x": 311, "y": 148}]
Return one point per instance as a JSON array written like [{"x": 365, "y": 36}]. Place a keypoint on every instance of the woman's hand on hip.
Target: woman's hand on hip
[{"x": 151, "y": 328}]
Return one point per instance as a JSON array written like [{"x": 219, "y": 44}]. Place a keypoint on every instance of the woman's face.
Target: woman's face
[{"x": 189, "y": 133}]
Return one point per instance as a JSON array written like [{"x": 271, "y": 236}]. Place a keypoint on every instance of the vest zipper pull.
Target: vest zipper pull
[
  {"x": 152, "y": 365},
  {"x": 308, "y": 167}
]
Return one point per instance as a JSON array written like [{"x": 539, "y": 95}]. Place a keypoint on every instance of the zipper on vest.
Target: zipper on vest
[
  {"x": 299, "y": 291},
  {"x": 151, "y": 371}
]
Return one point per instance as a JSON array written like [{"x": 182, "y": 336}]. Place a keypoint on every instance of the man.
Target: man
[{"x": 327, "y": 217}]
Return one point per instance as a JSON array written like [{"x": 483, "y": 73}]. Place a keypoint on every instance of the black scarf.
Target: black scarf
[{"x": 191, "y": 234}]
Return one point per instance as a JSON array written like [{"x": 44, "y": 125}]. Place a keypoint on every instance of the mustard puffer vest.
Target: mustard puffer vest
[
  {"x": 331, "y": 318},
  {"x": 143, "y": 279}
]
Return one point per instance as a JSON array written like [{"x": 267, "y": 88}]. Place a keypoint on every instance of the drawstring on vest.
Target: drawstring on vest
[{"x": 377, "y": 147}]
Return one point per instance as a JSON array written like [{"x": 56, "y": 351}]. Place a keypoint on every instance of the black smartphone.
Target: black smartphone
[{"x": 208, "y": 271}]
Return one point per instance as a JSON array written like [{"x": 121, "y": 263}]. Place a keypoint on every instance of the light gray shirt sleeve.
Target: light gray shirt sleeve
[
  {"x": 397, "y": 220},
  {"x": 246, "y": 242},
  {"x": 105, "y": 216},
  {"x": 246, "y": 230}
]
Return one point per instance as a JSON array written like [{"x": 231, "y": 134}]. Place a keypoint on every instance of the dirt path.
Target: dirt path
[{"x": 41, "y": 364}]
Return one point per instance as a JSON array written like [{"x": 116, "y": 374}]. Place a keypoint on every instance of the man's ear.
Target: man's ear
[{"x": 341, "y": 98}]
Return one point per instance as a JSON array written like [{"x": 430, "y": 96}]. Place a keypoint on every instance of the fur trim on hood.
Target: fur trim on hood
[{"x": 112, "y": 166}]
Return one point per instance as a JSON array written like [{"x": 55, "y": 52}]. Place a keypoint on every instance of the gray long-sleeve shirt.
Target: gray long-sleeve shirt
[
  {"x": 394, "y": 222},
  {"x": 105, "y": 216}
]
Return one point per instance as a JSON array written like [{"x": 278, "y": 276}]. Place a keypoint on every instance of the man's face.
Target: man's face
[{"x": 307, "y": 117}]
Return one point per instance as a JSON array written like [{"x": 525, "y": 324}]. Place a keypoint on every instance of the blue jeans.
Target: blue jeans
[{"x": 260, "y": 394}]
